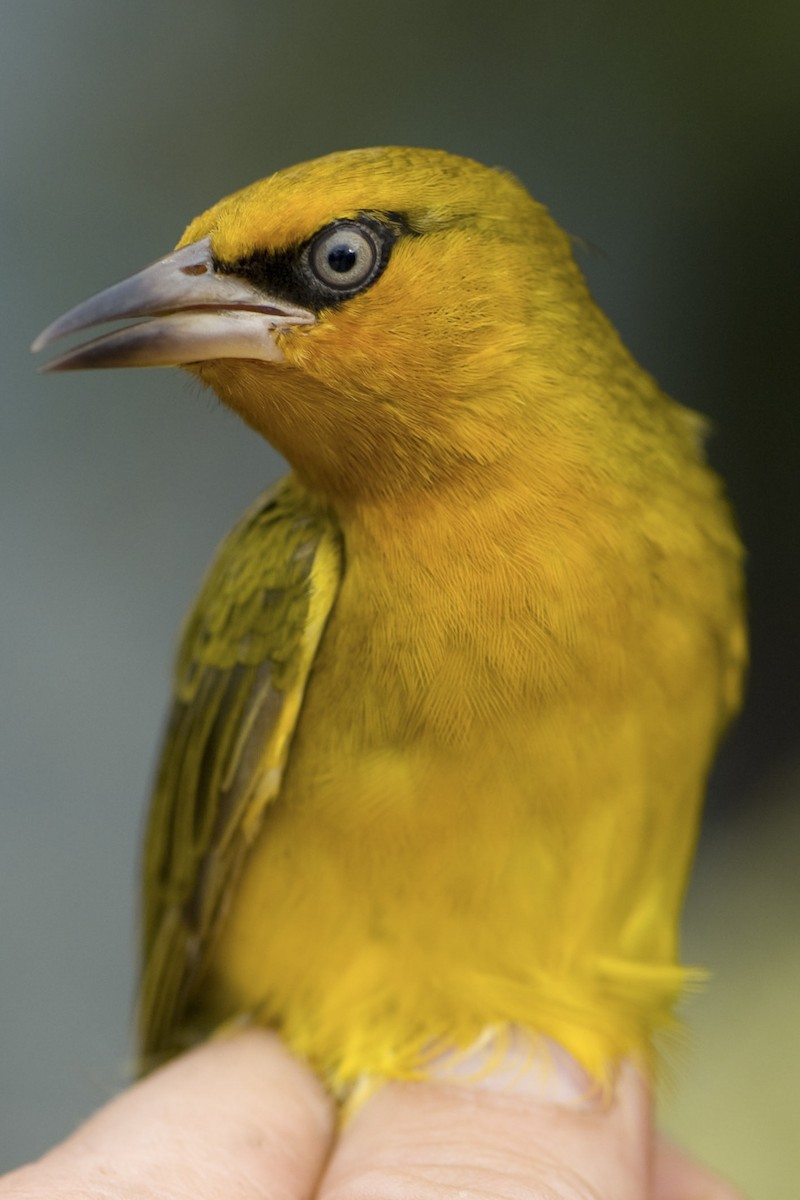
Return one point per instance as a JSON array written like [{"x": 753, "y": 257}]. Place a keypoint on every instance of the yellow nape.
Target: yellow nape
[{"x": 445, "y": 707}]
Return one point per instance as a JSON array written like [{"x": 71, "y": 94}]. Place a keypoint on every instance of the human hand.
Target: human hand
[{"x": 242, "y": 1120}]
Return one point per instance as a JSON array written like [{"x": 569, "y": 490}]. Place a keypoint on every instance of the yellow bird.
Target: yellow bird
[{"x": 446, "y": 704}]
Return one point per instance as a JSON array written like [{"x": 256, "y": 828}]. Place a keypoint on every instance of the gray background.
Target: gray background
[{"x": 664, "y": 134}]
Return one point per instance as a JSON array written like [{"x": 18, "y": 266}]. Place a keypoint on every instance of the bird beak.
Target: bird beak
[{"x": 199, "y": 313}]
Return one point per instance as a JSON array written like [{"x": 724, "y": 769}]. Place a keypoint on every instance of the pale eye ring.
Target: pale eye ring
[{"x": 345, "y": 257}]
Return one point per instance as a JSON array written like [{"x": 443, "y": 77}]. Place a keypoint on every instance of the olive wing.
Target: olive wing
[{"x": 244, "y": 661}]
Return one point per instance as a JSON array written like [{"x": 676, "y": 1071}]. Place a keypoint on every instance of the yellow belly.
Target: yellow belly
[{"x": 402, "y": 901}]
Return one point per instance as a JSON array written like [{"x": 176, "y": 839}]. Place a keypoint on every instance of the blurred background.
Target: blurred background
[{"x": 664, "y": 135}]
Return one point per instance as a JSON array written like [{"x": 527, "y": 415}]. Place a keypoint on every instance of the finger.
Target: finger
[
  {"x": 543, "y": 1137},
  {"x": 237, "y": 1117},
  {"x": 678, "y": 1177}
]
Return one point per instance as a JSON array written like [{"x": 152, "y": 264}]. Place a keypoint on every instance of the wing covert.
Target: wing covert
[{"x": 244, "y": 660}]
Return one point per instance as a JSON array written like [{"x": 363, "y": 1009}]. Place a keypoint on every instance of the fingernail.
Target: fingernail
[{"x": 515, "y": 1063}]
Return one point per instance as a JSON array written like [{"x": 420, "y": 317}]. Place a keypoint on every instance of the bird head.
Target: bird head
[{"x": 383, "y": 317}]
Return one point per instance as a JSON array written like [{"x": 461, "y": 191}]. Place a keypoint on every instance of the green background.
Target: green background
[{"x": 666, "y": 135}]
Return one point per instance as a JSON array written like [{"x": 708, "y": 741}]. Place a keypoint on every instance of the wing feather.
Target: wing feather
[{"x": 244, "y": 660}]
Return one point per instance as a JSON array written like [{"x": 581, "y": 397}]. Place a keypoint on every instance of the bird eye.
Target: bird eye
[{"x": 346, "y": 256}]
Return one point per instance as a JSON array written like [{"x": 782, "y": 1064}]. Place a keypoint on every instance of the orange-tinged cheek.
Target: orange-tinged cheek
[
  {"x": 357, "y": 357},
  {"x": 381, "y": 347}
]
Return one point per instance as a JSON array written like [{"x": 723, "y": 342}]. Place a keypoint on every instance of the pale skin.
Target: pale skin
[{"x": 241, "y": 1119}]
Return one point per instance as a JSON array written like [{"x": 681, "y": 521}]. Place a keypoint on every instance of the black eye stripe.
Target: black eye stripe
[{"x": 291, "y": 275}]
